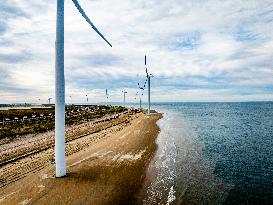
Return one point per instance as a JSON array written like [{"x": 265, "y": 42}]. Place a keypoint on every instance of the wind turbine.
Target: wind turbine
[
  {"x": 124, "y": 93},
  {"x": 60, "y": 85},
  {"x": 149, "y": 86},
  {"x": 49, "y": 100},
  {"x": 107, "y": 96},
  {"x": 140, "y": 101},
  {"x": 140, "y": 94},
  {"x": 87, "y": 97}
]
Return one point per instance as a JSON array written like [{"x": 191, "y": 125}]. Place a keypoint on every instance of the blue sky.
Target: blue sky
[{"x": 208, "y": 50}]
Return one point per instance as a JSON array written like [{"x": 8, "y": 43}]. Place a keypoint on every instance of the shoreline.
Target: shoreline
[{"x": 110, "y": 171}]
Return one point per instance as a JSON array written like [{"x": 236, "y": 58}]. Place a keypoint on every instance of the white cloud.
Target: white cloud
[{"x": 204, "y": 45}]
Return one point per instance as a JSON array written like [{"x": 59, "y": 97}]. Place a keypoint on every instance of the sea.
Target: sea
[{"x": 212, "y": 153}]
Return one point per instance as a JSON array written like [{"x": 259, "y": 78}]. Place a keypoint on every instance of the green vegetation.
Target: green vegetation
[{"x": 17, "y": 122}]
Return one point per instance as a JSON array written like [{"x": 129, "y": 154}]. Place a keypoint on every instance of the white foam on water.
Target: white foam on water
[
  {"x": 163, "y": 164},
  {"x": 179, "y": 170},
  {"x": 171, "y": 196}
]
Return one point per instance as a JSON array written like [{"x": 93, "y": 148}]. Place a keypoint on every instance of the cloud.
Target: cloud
[
  {"x": 3, "y": 28},
  {"x": 97, "y": 60},
  {"x": 14, "y": 58},
  {"x": 10, "y": 9},
  {"x": 197, "y": 50}
]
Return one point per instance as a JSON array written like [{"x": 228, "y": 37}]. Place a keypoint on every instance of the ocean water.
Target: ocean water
[{"x": 213, "y": 153}]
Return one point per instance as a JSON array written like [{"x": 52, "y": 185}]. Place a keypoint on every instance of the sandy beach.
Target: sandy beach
[{"x": 106, "y": 166}]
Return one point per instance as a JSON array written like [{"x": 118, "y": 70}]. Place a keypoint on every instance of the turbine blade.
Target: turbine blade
[
  {"x": 145, "y": 60},
  {"x": 76, "y": 3}
]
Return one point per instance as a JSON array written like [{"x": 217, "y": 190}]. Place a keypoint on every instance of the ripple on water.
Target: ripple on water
[
  {"x": 224, "y": 153},
  {"x": 182, "y": 174}
]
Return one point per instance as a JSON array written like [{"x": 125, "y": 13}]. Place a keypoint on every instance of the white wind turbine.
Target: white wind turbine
[
  {"x": 60, "y": 85},
  {"x": 87, "y": 97},
  {"x": 140, "y": 93},
  {"x": 124, "y": 93},
  {"x": 107, "y": 96},
  {"x": 149, "y": 86}
]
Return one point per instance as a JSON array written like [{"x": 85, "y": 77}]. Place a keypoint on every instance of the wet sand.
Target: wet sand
[{"x": 109, "y": 169}]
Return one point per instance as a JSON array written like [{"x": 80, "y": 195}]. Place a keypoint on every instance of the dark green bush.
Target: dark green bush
[{"x": 75, "y": 114}]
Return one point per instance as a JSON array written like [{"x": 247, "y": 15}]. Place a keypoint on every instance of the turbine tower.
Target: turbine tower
[
  {"x": 140, "y": 101},
  {"x": 124, "y": 93},
  {"x": 149, "y": 86},
  {"x": 107, "y": 96},
  {"x": 140, "y": 93},
  {"x": 60, "y": 85},
  {"x": 87, "y": 97}
]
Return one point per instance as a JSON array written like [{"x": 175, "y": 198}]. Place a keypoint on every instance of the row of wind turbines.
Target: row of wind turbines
[
  {"x": 107, "y": 96},
  {"x": 60, "y": 162}
]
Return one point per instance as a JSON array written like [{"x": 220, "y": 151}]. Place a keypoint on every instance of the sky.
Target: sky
[{"x": 197, "y": 50}]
